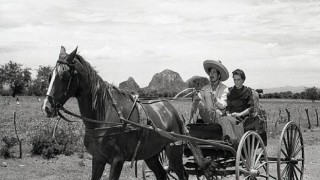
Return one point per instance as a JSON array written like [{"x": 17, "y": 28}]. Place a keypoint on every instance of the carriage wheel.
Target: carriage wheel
[
  {"x": 147, "y": 173},
  {"x": 290, "y": 160},
  {"x": 252, "y": 159}
]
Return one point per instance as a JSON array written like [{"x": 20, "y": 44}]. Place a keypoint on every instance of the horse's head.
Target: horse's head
[{"x": 64, "y": 83}]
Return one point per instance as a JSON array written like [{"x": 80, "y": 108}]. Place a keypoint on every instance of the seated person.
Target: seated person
[
  {"x": 239, "y": 106},
  {"x": 212, "y": 99}
]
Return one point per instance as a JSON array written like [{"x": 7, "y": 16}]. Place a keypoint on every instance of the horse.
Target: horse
[{"x": 107, "y": 138}]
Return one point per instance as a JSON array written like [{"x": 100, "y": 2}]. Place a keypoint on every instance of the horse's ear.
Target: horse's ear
[
  {"x": 72, "y": 55},
  {"x": 62, "y": 50}
]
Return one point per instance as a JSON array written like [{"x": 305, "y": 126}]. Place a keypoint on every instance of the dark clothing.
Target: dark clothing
[{"x": 239, "y": 100}]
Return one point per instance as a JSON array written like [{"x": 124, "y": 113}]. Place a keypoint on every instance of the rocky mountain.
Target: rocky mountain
[
  {"x": 197, "y": 82},
  {"x": 129, "y": 85},
  {"x": 166, "y": 81}
]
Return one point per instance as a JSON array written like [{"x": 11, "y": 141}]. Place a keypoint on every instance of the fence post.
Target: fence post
[
  {"x": 308, "y": 119},
  {"x": 280, "y": 116},
  {"x": 288, "y": 115},
  {"x": 317, "y": 118},
  {"x": 15, "y": 130}
]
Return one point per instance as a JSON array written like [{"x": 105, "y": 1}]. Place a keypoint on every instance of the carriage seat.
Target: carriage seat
[
  {"x": 257, "y": 120},
  {"x": 205, "y": 131}
]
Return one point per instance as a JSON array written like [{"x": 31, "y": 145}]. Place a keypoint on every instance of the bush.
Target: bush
[
  {"x": 4, "y": 92},
  {"x": 7, "y": 151},
  {"x": 65, "y": 142},
  {"x": 45, "y": 146}
]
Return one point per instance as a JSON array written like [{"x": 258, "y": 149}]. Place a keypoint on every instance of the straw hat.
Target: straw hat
[{"x": 207, "y": 64}]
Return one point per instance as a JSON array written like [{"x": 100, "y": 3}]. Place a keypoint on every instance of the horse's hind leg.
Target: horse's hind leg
[
  {"x": 97, "y": 169},
  {"x": 174, "y": 154},
  {"x": 116, "y": 168},
  {"x": 155, "y": 166}
]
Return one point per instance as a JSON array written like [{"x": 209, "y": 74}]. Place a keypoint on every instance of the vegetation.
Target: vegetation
[
  {"x": 20, "y": 82},
  {"x": 64, "y": 142},
  {"x": 40, "y": 84},
  {"x": 7, "y": 150},
  {"x": 36, "y": 130},
  {"x": 17, "y": 78},
  {"x": 312, "y": 94}
]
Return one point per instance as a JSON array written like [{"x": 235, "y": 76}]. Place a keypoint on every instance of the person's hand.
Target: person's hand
[
  {"x": 214, "y": 97},
  {"x": 235, "y": 114}
]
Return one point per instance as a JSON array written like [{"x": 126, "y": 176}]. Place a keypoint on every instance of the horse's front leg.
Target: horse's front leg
[
  {"x": 97, "y": 169},
  {"x": 116, "y": 168}
]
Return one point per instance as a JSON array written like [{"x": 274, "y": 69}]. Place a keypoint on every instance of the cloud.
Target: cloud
[{"x": 145, "y": 37}]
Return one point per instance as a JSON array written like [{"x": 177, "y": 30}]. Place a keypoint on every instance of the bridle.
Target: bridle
[{"x": 57, "y": 104}]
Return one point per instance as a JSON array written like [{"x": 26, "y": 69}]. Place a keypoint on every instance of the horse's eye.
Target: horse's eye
[
  {"x": 65, "y": 75},
  {"x": 63, "y": 71}
]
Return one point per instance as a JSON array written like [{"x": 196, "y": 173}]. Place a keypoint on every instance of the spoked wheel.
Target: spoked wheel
[
  {"x": 252, "y": 159},
  {"x": 148, "y": 174},
  {"x": 290, "y": 160}
]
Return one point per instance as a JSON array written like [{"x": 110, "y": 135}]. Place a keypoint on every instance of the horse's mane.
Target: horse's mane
[{"x": 99, "y": 89}]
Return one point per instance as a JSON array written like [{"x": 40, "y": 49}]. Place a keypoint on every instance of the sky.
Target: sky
[{"x": 275, "y": 42}]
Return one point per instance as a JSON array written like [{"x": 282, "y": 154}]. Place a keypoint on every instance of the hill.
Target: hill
[
  {"x": 166, "y": 81},
  {"x": 129, "y": 85}
]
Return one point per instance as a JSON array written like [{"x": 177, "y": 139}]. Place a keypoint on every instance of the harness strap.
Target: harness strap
[
  {"x": 81, "y": 117},
  {"x": 139, "y": 146},
  {"x": 114, "y": 104},
  {"x": 142, "y": 138}
]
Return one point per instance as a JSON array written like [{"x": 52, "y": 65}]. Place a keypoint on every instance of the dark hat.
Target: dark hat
[{"x": 208, "y": 64}]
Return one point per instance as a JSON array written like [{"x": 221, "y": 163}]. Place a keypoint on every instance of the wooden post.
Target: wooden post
[
  {"x": 317, "y": 118},
  {"x": 308, "y": 119},
  {"x": 280, "y": 117},
  {"x": 54, "y": 131},
  {"x": 288, "y": 115},
  {"x": 15, "y": 130}
]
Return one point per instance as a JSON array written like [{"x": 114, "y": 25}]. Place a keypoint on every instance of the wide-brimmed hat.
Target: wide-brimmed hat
[{"x": 208, "y": 64}]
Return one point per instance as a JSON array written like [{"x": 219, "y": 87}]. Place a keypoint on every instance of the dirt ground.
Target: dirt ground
[{"x": 74, "y": 168}]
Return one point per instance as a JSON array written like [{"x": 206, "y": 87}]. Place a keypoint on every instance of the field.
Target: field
[{"x": 31, "y": 120}]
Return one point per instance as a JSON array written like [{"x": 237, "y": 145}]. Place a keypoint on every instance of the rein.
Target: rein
[
  {"x": 123, "y": 121},
  {"x": 81, "y": 117}
]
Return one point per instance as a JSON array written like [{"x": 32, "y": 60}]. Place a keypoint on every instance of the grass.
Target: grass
[{"x": 31, "y": 120}]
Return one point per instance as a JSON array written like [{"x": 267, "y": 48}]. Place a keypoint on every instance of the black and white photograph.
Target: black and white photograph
[{"x": 159, "y": 90}]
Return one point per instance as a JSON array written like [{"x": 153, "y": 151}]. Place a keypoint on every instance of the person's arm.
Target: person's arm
[
  {"x": 249, "y": 106},
  {"x": 243, "y": 113},
  {"x": 221, "y": 102}
]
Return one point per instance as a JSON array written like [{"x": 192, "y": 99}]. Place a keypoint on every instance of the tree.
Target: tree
[
  {"x": 16, "y": 77},
  {"x": 312, "y": 93},
  {"x": 41, "y": 83},
  {"x": 286, "y": 95},
  {"x": 296, "y": 96}
]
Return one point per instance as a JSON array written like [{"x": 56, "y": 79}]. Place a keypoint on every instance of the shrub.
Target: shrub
[
  {"x": 65, "y": 142},
  {"x": 7, "y": 151},
  {"x": 4, "y": 92},
  {"x": 43, "y": 144}
]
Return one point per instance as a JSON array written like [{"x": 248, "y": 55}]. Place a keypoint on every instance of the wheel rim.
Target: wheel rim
[
  {"x": 290, "y": 159},
  {"x": 251, "y": 159}
]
